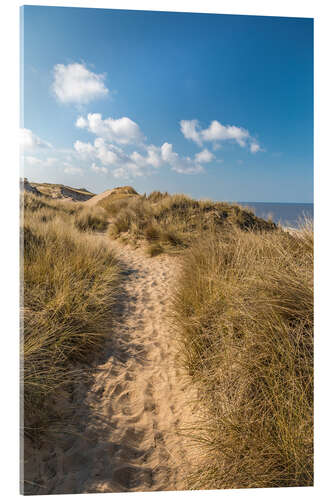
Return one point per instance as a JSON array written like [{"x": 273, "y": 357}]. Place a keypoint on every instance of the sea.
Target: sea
[{"x": 286, "y": 214}]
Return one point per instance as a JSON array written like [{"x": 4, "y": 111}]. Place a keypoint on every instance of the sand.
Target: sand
[
  {"x": 133, "y": 415},
  {"x": 98, "y": 197}
]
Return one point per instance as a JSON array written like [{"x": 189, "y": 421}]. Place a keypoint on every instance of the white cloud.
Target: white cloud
[
  {"x": 217, "y": 132},
  {"x": 189, "y": 130},
  {"x": 30, "y": 141},
  {"x": 254, "y": 147},
  {"x": 168, "y": 154},
  {"x": 122, "y": 130},
  {"x": 99, "y": 170},
  {"x": 127, "y": 171},
  {"x": 179, "y": 164},
  {"x": 126, "y": 162},
  {"x": 106, "y": 153},
  {"x": 33, "y": 160},
  {"x": 83, "y": 148},
  {"x": 71, "y": 170},
  {"x": 120, "y": 173},
  {"x": 81, "y": 122},
  {"x": 204, "y": 156},
  {"x": 186, "y": 167},
  {"x": 74, "y": 83}
]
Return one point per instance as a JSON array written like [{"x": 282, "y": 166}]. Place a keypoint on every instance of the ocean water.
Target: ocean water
[{"x": 287, "y": 214}]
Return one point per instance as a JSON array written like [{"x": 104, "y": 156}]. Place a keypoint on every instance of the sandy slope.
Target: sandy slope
[
  {"x": 98, "y": 197},
  {"x": 133, "y": 416}
]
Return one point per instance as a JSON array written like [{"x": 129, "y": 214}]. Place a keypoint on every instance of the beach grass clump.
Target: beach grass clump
[
  {"x": 244, "y": 307},
  {"x": 155, "y": 249},
  {"x": 174, "y": 221},
  {"x": 70, "y": 282},
  {"x": 91, "y": 219}
]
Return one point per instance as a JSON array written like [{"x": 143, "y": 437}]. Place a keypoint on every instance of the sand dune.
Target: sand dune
[
  {"x": 132, "y": 417},
  {"x": 98, "y": 197}
]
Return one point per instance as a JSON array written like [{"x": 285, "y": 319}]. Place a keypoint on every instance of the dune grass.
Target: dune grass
[
  {"x": 173, "y": 221},
  {"x": 70, "y": 281},
  {"x": 91, "y": 219},
  {"x": 244, "y": 307}
]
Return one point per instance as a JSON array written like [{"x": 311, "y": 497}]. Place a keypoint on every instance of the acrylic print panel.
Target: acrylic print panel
[{"x": 167, "y": 248}]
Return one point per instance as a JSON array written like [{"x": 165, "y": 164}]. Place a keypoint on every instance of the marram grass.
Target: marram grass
[{"x": 244, "y": 309}]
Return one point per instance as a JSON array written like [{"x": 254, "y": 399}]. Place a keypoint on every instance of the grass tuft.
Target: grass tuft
[
  {"x": 70, "y": 282},
  {"x": 155, "y": 249},
  {"x": 244, "y": 307},
  {"x": 91, "y": 219}
]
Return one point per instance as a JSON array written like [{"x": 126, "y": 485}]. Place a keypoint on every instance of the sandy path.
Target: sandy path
[{"x": 132, "y": 419}]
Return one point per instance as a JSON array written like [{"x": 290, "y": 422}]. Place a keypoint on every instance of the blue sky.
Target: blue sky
[{"x": 216, "y": 106}]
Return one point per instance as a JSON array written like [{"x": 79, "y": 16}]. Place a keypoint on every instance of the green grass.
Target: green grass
[{"x": 244, "y": 310}]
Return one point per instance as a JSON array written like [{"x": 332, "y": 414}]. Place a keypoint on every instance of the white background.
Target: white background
[{"x": 322, "y": 11}]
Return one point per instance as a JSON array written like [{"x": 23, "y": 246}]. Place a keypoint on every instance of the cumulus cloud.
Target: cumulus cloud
[
  {"x": 83, "y": 148},
  {"x": 189, "y": 130},
  {"x": 99, "y": 170},
  {"x": 74, "y": 83},
  {"x": 153, "y": 157},
  {"x": 216, "y": 132},
  {"x": 254, "y": 147},
  {"x": 106, "y": 153},
  {"x": 177, "y": 163},
  {"x": 204, "y": 156},
  {"x": 122, "y": 130},
  {"x": 127, "y": 171},
  {"x": 168, "y": 154},
  {"x": 30, "y": 141},
  {"x": 125, "y": 161}
]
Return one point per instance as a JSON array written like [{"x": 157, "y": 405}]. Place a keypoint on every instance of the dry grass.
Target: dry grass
[
  {"x": 91, "y": 219},
  {"x": 70, "y": 285},
  {"x": 174, "y": 221},
  {"x": 244, "y": 307}
]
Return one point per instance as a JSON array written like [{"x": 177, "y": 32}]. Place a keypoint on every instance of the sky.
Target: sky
[{"x": 214, "y": 106}]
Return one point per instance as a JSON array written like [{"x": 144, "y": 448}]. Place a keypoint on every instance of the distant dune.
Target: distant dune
[
  {"x": 113, "y": 193},
  {"x": 57, "y": 191}
]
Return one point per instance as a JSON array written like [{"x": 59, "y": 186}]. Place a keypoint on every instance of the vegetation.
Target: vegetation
[
  {"x": 70, "y": 284},
  {"x": 173, "y": 222},
  {"x": 244, "y": 307},
  {"x": 92, "y": 218}
]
